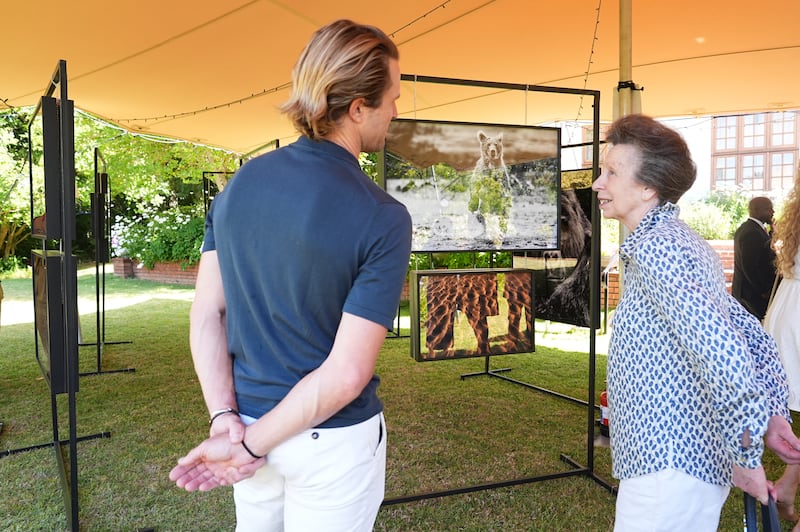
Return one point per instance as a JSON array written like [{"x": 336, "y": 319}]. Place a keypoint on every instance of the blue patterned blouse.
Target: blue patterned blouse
[{"x": 689, "y": 370}]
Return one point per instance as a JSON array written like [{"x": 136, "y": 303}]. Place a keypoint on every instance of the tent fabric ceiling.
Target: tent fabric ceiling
[{"x": 213, "y": 72}]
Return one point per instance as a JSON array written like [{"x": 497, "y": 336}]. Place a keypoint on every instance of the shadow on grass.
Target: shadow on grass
[{"x": 445, "y": 432}]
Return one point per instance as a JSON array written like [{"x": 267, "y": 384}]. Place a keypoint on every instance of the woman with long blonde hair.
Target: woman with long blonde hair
[{"x": 781, "y": 322}]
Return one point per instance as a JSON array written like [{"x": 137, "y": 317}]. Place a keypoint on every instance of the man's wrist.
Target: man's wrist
[
  {"x": 221, "y": 412},
  {"x": 249, "y": 451}
]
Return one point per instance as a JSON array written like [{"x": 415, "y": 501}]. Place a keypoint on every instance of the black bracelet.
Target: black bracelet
[
  {"x": 251, "y": 453},
  {"x": 216, "y": 413}
]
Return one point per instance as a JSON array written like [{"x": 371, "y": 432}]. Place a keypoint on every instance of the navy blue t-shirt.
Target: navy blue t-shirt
[{"x": 301, "y": 236}]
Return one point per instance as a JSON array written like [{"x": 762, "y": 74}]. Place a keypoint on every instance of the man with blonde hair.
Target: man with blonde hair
[{"x": 303, "y": 263}]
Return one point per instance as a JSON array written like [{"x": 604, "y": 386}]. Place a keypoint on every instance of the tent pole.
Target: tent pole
[
  {"x": 627, "y": 96},
  {"x": 625, "y": 88}
]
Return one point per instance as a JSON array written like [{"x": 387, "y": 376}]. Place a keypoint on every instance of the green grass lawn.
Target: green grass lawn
[{"x": 445, "y": 432}]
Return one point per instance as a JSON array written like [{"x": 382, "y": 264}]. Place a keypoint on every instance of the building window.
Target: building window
[
  {"x": 753, "y": 132},
  {"x": 782, "y": 170},
  {"x": 725, "y": 173},
  {"x": 755, "y": 153},
  {"x": 725, "y": 133},
  {"x": 783, "y": 128},
  {"x": 587, "y": 136},
  {"x": 753, "y": 172}
]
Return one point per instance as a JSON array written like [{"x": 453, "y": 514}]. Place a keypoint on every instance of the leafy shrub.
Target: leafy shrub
[
  {"x": 718, "y": 216},
  {"x": 733, "y": 205},
  {"x": 461, "y": 260},
  {"x": 12, "y": 264},
  {"x": 708, "y": 220},
  {"x": 172, "y": 236}
]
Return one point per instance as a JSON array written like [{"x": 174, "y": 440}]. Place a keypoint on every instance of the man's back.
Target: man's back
[
  {"x": 753, "y": 267},
  {"x": 309, "y": 226}
]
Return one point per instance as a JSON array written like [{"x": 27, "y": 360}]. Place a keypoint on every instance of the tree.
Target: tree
[
  {"x": 14, "y": 149},
  {"x": 14, "y": 229},
  {"x": 146, "y": 169},
  {"x": 15, "y": 123},
  {"x": 146, "y": 174}
]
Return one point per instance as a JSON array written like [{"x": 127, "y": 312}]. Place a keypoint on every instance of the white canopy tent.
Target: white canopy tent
[{"x": 214, "y": 72}]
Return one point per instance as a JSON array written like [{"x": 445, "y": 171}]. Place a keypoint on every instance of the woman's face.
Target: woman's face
[{"x": 619, "y": 194}]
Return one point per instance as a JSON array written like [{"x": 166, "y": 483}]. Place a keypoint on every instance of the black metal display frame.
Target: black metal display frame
[
  {"x": 207, "y": 185},
  {"x": 63, "y": 235},
  {"x": 101, "y": 230},
  {"x": 587, "y": 469}
]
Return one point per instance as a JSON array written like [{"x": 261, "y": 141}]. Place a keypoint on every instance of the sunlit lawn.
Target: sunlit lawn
[{"x": 445, "y": 432}]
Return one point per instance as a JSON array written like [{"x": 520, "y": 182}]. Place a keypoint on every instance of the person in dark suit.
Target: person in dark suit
[{"x": 753, "y": 258}]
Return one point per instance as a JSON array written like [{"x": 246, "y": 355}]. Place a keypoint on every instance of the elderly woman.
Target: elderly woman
[{"x": 693, "y": 380}]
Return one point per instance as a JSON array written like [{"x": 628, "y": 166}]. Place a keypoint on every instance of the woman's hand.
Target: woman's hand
[{"x": 754, "y": 482}]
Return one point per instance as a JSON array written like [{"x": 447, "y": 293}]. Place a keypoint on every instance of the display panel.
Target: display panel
[
  {"x": 562, "y": 276},
  {"x": 44, "y": 163},
  {"x": 49, "y": 316},
  {"x": 100, "y": 214},
  {"x": 470, "y": 313},
  {"x": 475, "y": 187}
]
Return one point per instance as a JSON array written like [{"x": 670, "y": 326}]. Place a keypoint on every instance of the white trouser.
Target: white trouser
[
  {"x": 668, "y": 500},
  {"x": 321, "y": 479}
]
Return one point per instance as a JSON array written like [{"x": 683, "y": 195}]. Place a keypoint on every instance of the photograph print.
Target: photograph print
[
  {"x": 562, "y": 276},
  {"x": 471, "y": 313},
  {"x": 476, "y": 187}
]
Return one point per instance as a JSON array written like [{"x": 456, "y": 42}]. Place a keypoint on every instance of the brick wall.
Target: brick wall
[
  {"x": 172, "y": 273},
  {"x": 613, "y": 291},
  {"x": 724, "y": 249},
  {"x": 167, "y": 273}
]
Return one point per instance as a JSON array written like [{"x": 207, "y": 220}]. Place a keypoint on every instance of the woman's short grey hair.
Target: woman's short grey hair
[{"x": 666, "y": 162}]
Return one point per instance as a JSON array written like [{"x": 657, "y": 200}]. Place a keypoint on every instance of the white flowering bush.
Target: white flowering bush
[{"x": 170, "y": 236}]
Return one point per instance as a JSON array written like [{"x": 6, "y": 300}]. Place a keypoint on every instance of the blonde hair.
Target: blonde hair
[
  {"x": 787, "y": 231},
  {"x": 343, "y": 61}
]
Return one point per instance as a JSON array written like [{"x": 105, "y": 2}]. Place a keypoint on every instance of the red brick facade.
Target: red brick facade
[
  {"x": 173, "y": 273},
  {"x": 724, "y": 249},
  {"x": 168, "y": 273},
  {"x": 613, "y": 291}
]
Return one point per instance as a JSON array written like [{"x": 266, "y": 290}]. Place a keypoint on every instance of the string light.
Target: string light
[
  {"x": 591, "y": 58},
  {"x": 283, "y": 86},
  {"x": 264, "y": 92},
  {"x": 401, "y": 28},
  {"x": 571, "y": 130},
  {"x": 123, "y": 132},
  {"x": 207, "y": 109}
]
